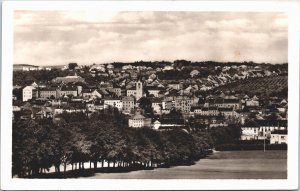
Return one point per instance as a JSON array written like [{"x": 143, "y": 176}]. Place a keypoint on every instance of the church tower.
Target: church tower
[{"x": 139, "y": 90}]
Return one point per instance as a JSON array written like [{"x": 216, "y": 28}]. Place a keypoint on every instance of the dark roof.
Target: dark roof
[
  {"x": 48, "y": 89},
  {"x": 64, "y": 88},
  {"x": 224, "y": 109},
  {"x": 275, "y": 123},
  {"x": 154, "y": 88},
  {"x": 156, "y": 100},
  {"x": 281, "y": 132},
  {"x": 132, "y": 88},
  {"x": 128, "y": 98},
  {"x": 251, "y": 124}
]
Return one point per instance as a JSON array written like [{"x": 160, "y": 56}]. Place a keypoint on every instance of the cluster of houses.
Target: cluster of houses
[{"x": 74, "y": 94}]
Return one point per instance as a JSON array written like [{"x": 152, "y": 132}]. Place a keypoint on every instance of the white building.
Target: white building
[
  {"x": 279, "y": 137},
  {"x": 28, "y": 93},
  {"x": 114, "y": 102},
  {"x": 250, "y": 131},
  {"x": 138, "y": 121}
]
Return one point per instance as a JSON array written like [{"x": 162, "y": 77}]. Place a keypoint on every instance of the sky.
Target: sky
[{"x": 59, "y": 37}]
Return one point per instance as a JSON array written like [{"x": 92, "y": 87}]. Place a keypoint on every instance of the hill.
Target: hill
[{"x": 273, "y": 85}]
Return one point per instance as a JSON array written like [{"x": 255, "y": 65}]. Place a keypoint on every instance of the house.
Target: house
[
  {"x": 279, "y": 137},
  {"x": 194, "y": 73},
  {"x": 91, "y": 93},
  {"x": 113, "y": 102},
  {"x": 184, "y": 103},
  {"x": 267, "y": 126},
  {"x": 115, "y": 90},
  {"x": 176, "y": 86},
  {"x": 227, "y": 111},
  {"x": 250, "y": 131},
  {"x": 128, "y": 104},
  {"x": 156, "y": 105},
  {"x": 154, "y": 90},
  {"x": 29, "y": 92},
  {"x": 252, "y": 103},
  {"x": 67, "y": 90},
  {"x": 136, "y": 91},
  {"x": 49, "y": 92},
  {"x": 139, "y": 121},
  {"x": 168, "y": 67}
]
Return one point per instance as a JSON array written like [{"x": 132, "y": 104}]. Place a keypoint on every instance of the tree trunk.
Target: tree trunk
[
  {"x": 108, "y": 163},
  {"x": 72, "y": 166},
  {"x": 65, "y": 167},
  {"x": 102, "y": 163},
  {"x": 82, "y": 165},
  {"x": 95, "y": 165},
  {"x": 114, "y": 164}
]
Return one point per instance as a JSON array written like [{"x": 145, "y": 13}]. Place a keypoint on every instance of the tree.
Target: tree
[
  {"x": 72, "y": 66},
  {"x": 146, "y": 105}
]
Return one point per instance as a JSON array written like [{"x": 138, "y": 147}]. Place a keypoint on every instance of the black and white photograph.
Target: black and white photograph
[{"x": 112, "y": 94}]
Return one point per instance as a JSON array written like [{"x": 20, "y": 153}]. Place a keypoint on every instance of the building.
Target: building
[
  {"x": 128, "y": 104},
  {"x": 136, "y": 91},
  {"x": 228, "y": 101},
  {"x": 138, "y": 121},
  {"x": 156, "y": 105},
  {"x": 227, "y": 111},
  {"x": 267, "y": 126},
  {"x": 131, "y": 92},
  {"x": 115, "y": 90},
  {"x": 206, "y": 111},
  {"x": 250, "y": 131},
  {"x": 139, "y": 90},
  {"x": 28, "y": 93},
  {"x": 48, "y": 93},
  {"x": 184, "y": 103},
  {"x": 279, "y": 137},
  {"x": 91, "y": 94},
  {"x": 175, "y": 86},
  {"x": 113, "y": 102},
  {"x": 68, "y": 79},
  {"x": 154, "y": 90},
  {"x": 67, "y": 91}
]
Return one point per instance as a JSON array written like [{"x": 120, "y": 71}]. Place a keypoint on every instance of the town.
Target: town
[{"x": 201, "y": 95}]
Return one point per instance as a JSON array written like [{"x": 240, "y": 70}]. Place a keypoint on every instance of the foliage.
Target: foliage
[{"x": 38, "y": 145}]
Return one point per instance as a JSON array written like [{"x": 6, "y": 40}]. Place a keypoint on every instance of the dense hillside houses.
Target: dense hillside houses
[{"x": 205, "y": 96}]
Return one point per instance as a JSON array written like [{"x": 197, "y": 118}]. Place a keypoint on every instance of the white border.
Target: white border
[{"x": 179, "y": 184}]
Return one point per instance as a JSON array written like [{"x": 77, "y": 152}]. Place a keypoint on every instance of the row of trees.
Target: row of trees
[{"x": 102, "y": 138}]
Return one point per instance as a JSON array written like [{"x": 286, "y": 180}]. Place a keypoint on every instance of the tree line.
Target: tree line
[{"x": 104, "y": 137}]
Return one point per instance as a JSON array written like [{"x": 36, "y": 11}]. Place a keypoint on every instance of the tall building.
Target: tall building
[
  {"x": 139, "y": 90},
  {"x": 28, "y": 93}
]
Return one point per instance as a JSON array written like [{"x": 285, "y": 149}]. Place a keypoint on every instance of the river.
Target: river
[{"x": 219, "y": 165}]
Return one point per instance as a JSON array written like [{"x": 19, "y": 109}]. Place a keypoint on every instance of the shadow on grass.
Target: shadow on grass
[
  {"x": 87, "y": 172},
  {"x": 91, "y": 172}
]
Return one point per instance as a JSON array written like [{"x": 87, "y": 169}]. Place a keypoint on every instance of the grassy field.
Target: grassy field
[{"x": 220, "y": 165}]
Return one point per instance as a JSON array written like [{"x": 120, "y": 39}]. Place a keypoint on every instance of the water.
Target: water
[{"x": 220, "y": 165}]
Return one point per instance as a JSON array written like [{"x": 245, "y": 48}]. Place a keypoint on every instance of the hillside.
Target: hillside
[{"x": 274, "y": 84}]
